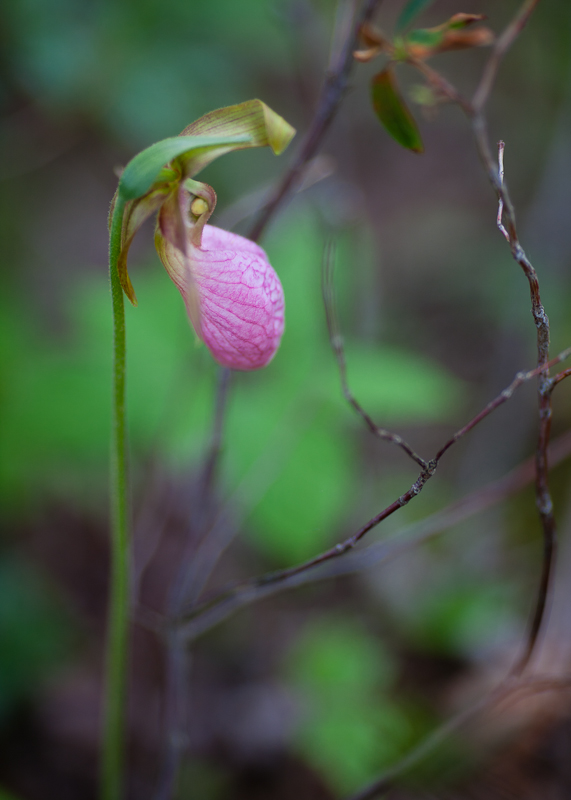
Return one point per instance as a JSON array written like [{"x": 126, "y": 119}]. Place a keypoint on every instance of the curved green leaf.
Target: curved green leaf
[
  {"x": 143, "y": 170},
  {"x": 392, "y": 111},
  {"x": 253, "y": 119}
]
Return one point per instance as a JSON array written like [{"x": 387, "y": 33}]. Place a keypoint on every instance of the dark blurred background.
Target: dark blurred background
[{"x": 311, "y": 693}]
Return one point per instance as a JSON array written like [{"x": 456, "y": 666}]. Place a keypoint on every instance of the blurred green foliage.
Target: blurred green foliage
[
  {"x": 124, "y": 74},
  {"x": 35, "y": 632},
  {"x": 352, "y": 724},
  {"x": 290, "y": 420},
  {"x": 143, "y": 69}
]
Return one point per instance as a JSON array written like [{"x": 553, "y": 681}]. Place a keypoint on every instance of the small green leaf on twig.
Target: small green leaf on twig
[
  {"x": 450, "y": 35},
  {"x": 409, "y": 12},
  {"x": 425, "y": 37},
  {"x": 392, "y": 111}
]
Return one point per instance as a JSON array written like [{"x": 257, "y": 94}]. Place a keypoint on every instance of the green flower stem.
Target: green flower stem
[{"x": 118, "y": 615}]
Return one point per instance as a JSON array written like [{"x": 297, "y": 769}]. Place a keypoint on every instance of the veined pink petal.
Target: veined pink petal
[{"x": 240, "y": 296}]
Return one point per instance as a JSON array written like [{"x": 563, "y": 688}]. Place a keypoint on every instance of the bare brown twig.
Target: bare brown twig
[
  {"x": 499, "y": 218},
  {"x": 332, "y": 93},
  {"x": 250, "y": 588},
  {"x": 475, "y": 111},
  {"x": 337, "y": 346},
  {"x": 558, "y": 378},
  {"x": 501, "y": 47},
  {"x": 224, "y": 604}
]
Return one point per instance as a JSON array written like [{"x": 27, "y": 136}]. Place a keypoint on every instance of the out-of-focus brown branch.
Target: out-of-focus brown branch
[
  {"x": 500, "y": 48},
  {"x": 177, "y": 662},
  {"x": 329, "y": 101},
  {"x": 507, "y": 691}
]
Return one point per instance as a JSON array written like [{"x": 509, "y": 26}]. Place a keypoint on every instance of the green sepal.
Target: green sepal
[
  {"x": 261, "y": 126},
  {"x": 145, "y": 168},
  {"x": 153, "y": 180},
  {"x": 393, "y": 112}
]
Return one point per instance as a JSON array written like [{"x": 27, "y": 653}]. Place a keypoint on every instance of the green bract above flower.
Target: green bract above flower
[{"x": 160, "y": 179}]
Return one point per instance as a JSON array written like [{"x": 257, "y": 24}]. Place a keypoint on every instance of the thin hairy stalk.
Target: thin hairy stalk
[
  {"x": 118, "y": 613},
  {"x": 507, "y": 691},
  {"x": 332, "y": 93},
  {"x": 336, "y": 340}
]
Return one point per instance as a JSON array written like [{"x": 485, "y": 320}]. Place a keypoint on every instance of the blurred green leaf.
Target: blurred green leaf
[
  {"x": 335, "y": 654},
  {"x": 300, "y": 513},
  {"x": 5, "y": 795},
  {"x": 459, "y": 618},
  {"x": 425, "y": 37},
  {"x": 34, "y": 634},
  {"x": 411, "y": 10},
  {"x": 142, "y": 171},
  {"x": 392, "y": 111},
  {"x": 55, "y": 402},
  {"x": 352, "y": 729},
  {"x": 200, "y": 780},
  {"x": 351, "y": 742},
  {"x": 394, "y": 385}
]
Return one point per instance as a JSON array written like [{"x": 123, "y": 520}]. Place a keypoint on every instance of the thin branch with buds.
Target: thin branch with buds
[
  {"x": 475, "y": 111},
  {"x": 543, "y": 496}
]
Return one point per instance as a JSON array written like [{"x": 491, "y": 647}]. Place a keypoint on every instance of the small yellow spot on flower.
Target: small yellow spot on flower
[{"x": 198, "y": 206}]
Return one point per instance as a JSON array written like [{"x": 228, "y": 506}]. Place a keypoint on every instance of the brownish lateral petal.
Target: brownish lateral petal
[{"x": 136, "y": 212}]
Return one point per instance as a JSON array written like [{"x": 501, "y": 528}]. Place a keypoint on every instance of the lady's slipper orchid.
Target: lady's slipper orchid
[
  {"x": 233, "y": 296},
  {"x": 240, "y": 297}
]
